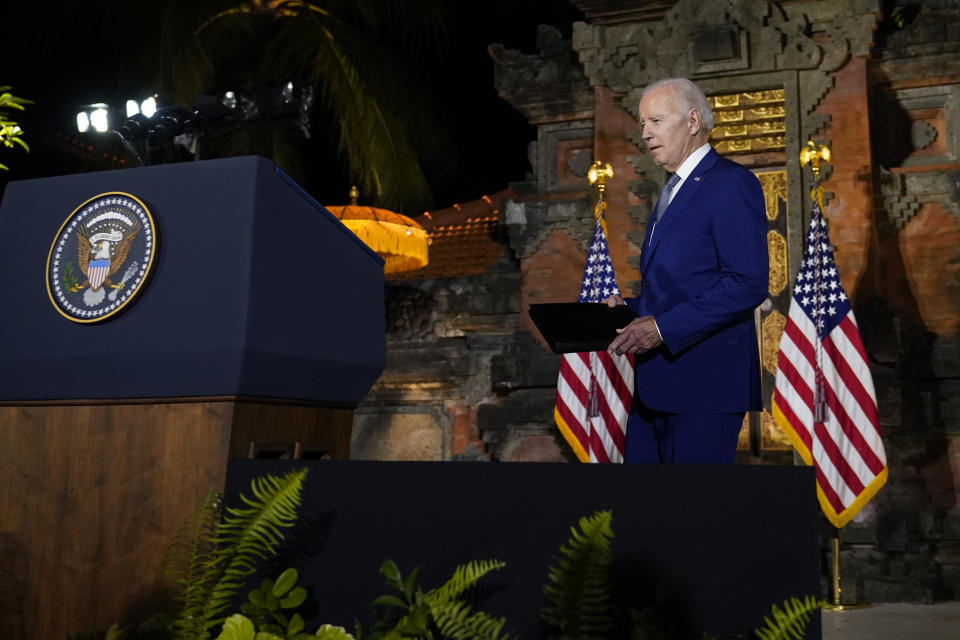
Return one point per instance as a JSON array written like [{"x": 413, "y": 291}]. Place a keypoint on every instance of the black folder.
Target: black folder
[{"x": 572, "y": 327}]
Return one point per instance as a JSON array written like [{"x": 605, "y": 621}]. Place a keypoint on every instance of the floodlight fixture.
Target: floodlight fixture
[
  {"x": 149, "y": 106},
  {"x": 99, "y": 120}
]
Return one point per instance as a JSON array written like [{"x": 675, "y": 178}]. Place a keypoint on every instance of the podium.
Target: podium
[{"x": 259, "y": 329}]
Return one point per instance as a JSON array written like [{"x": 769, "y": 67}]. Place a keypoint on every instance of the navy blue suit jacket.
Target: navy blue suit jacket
[{"x": 703, "y": 274}]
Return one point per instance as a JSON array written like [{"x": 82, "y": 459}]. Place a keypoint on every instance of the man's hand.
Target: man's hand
[
  {"x": 639, "y": 336},
  {"x": 614, "y": 300}
]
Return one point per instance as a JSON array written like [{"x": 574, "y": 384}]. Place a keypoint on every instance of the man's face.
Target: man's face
[{"x": 669, "y": 134}]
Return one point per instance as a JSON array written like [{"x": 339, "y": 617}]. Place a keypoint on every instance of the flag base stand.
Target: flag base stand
[{"x": 835, "y": 605}]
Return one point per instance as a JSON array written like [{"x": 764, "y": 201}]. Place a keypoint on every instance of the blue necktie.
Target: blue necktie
[{"x": 664, "y": 201}]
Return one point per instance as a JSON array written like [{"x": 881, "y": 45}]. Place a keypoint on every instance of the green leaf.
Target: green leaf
[
  {"x": 391, "y": 572},
  {"x": 294, "y": 599},
  {"x": 271, "y": 603},
  {"x": 258, "y": 598},
  {"x": 285, "y": 582},
  {"x": 410, "y": 582},
  {"x": 296, "y": 625},
  {"x": 237, "y": 627},
  {"x": 330, "y": 632},
  {"x": 390, "y": 601}
]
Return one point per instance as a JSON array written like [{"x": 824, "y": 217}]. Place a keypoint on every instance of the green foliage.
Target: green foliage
[
  {"x": 271, "y": 607},
  {"x": 330, "y": 632},
  {"x": 239, "y": 627},
  {"x": 214, "y": 564},
  {"x": 791, "y": 622},
  {"x": 10, "y": 131},
  {"x": 438, "y": 613},
  {"x": 69, "y": 278},
  {"x": 579, "y": 584}
]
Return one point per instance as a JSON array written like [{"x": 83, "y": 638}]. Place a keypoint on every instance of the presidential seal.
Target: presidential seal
[{"x": 101, "y": 257}]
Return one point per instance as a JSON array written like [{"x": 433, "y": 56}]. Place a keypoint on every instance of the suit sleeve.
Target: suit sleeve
[{"x": 739, "y": 231}]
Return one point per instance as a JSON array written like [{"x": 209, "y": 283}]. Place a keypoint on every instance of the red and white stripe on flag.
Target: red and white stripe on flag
[
  {"x": 595, "y": 390},
  {"x": 824, "y": 397}
]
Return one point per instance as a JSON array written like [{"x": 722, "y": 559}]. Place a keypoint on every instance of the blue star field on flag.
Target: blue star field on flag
[
  {"x": 818, "y": 290},
  {"x": 598, "y": 281}
]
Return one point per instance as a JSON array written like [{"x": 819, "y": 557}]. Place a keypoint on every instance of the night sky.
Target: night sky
[{"x": 66, "y": 54}]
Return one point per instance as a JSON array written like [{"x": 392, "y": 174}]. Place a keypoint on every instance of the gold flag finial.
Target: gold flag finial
[
  {"x": 354, "y": 195},
  {"x": 598, "y": 174},
  {"x": 813, "y": 154}
]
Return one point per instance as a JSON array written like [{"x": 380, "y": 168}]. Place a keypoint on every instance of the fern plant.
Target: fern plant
[
  {"x": 579, "y": 584},
  {"x": 215, "y": 557},
  {"x": 438, "y": 613},
  {"x": 791, "y": 622}
]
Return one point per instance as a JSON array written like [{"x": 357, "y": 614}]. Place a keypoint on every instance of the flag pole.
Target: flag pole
[
  {"x": 597, "y": 176},
  {"x": 812, "y": 154}
]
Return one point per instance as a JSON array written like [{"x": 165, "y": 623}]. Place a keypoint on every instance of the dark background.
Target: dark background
[
  {"x": 63, "y": 55},
  {"x": 704, "y": 562}
]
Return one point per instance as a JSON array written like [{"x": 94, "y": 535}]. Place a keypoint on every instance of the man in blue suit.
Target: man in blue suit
[{"x": 704, "y": 270}]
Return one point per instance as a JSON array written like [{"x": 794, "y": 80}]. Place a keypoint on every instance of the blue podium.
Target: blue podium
[{"x": 257, "y": 329}]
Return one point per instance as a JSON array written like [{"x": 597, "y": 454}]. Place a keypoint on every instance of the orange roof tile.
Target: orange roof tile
[{"x": 463, "y": 239}]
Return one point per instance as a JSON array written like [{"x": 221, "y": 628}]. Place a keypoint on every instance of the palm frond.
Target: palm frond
[
  {"x": 371, "y": 140},
  {"x": 579, "y": 582},
  {"x": 791, "y": 621}
]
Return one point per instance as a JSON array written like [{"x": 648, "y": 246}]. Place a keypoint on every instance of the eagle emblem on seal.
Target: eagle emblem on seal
[{"x": 101, "y": 257}]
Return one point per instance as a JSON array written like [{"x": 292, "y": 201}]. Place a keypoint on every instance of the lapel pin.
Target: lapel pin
[{"x": 696, "y": 179}]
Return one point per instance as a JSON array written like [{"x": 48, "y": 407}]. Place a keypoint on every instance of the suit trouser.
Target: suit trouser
[{"x": 681, "y": 438}]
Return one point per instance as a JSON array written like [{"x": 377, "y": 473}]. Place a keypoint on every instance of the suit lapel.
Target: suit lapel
[{"x": 676, "y": 208}]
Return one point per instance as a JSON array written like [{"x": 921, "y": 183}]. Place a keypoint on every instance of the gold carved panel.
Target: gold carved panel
[
  {"x": 771, "y": 330},
  {"x": 774, "y": 184},
  {"x": 777, "y": 251},
  {"x": 749, "y": 122}
]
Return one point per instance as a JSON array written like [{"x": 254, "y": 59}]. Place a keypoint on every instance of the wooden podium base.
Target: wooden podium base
[{"x": 92, "y": 493}]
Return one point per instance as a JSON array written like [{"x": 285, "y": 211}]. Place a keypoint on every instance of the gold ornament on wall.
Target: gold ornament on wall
[
  {"x": 777, "y": 251},
  {"x": 771, "y": 330},
  {"x": 774, "y": 184}
]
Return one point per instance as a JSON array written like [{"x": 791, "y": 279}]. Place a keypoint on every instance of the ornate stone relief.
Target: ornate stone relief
[
  {"x": 902, "y": 194},
  {"x": 922, "y": 134},
  {"x": 749, "y": 43},
  {"x": 542, "y": 85}
]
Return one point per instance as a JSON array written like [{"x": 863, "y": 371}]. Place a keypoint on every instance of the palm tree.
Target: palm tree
[{"x": 274, "y": 61}]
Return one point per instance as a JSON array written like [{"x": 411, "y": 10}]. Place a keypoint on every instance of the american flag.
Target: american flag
[
  {"x": 594, "y": 389},
  {"x": 824, "y": 398}
]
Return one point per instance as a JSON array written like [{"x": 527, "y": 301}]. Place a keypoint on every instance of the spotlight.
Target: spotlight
[
  {"x": 149, "y": 107},
  {"x": 98, "y": 120},
  {"x": 83, "y": 122}
]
